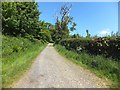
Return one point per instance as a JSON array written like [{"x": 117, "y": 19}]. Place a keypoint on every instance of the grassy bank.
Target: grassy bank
[
  {"x": 17, "y": 56},
  {"x": 103, "y": 67}
]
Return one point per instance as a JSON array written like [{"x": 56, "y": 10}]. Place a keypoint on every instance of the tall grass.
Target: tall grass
[
  {"x": 101, "y": 66},
  {"x": 17, "y": 56}
]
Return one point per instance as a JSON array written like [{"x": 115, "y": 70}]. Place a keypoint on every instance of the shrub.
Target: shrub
[{"x": 106, "y": 46}]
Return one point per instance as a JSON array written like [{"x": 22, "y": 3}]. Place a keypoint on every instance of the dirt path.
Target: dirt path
[{"x": 51, "y": 70}]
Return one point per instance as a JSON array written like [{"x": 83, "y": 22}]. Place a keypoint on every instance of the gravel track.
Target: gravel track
[{"x": 51, "y": 70}]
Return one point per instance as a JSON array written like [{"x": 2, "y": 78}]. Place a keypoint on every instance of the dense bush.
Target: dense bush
[{"x": 107, "y": 46}]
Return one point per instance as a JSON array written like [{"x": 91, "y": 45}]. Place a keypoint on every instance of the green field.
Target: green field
[{"x": 17, "y": 56}]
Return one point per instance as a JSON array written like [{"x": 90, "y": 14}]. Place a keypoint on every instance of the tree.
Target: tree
[
  {"x": 20, "y": 18},
  {"x": 9, "y": 18},
  {"x": 43, "y": 32},
  {"x": 76, "y": 36},
  {"x": 62, "y": 21},
  {"x": 88, "y": 35}
]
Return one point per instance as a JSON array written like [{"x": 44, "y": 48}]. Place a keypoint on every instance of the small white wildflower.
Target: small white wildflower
[{"x": 79, "y": 48}]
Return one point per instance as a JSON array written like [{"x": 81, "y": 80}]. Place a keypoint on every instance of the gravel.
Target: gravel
[{"x": 51, "y": 70}]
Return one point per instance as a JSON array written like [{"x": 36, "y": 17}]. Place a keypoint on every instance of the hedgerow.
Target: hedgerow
[{"x": 106, "y": 46}]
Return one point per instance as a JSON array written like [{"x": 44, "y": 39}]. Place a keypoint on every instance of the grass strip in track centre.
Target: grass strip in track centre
[{"x": 102, "y": 67}]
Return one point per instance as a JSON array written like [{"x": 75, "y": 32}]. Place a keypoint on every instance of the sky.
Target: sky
[
  {"x": 77, "y": 0},
  {"x": 100, "y": 18}
]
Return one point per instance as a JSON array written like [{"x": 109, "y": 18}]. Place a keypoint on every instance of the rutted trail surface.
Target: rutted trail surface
[{"x": 51, "y": 70}]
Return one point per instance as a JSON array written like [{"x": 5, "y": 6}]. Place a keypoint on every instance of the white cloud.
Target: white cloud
[{"x": 105, "y": 31}]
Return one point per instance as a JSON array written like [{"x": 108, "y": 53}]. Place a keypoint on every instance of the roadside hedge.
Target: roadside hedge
[{"x": 106, "y": 46}]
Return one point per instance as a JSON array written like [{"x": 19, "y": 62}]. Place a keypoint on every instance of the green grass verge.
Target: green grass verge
[
  {"x": 102, "y": 67},
  {"x": 18, "y": 55}
]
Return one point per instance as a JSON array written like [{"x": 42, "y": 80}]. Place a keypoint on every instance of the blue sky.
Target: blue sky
[{"x": 100, "y": 18}]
